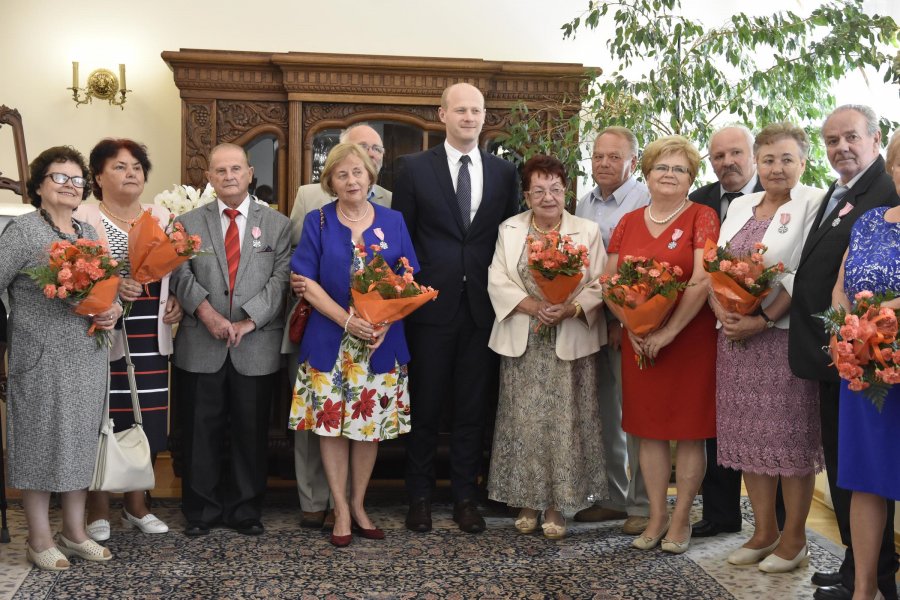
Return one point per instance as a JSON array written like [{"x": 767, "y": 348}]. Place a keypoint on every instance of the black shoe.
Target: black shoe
[
  {"x": 418, "y": 518},
  {"x": 704, "y": 528},
  {"x": 827, "y": 578},
  {"x": 196, "y": 528},
  {"x": 249, "y": 527},
  {"x": 833, "y": 592},
  {"x": 466, "y": 515}
]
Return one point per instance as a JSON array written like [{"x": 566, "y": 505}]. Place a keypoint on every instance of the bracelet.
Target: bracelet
[
  {"x": 347, "y": 322},
  {"x": 763, "y": 314}
]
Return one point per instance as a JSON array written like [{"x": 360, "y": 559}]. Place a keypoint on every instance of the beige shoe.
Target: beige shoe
[
  {"x": 552, "y": 531},
  {"x": 88, "y": 549},
  {"x": 676, "y": 547},
  {"x": 596, "y": 514},
  {"x": 50, "y": 559},
  {"x": 526, "y": 524},
  {"x": 750, "y": 556},
  {"x": 775, "y": 564},
  {"x": 635, "y": 525},
  {"x": 645, "y": 542}
]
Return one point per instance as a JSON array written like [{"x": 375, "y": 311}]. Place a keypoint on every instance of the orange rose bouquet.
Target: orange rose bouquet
[
  {"x": 555, "y": 263},
  {"x": 739, "y": 283},
  {"x": 155, "y": 252},
  {"x": 83, "y": 274},
  {"x": 864, "y": 347},
  {"x": 641, "y": 294},
  {"x": 380, "y": 295}
]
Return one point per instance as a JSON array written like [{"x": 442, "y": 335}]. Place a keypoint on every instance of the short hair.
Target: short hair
[
  {"x": 778, "y": 131},
  {"x": 346, "y": 132},
  {"x": 225, "y": 145},
  {"x": 739, "y": 126},
  {"x": 543, "y": 165},
  {"x": 337, "y": 155},
  {"x": 621, "y": 132},
  {"x": 106, "y": 150},
  {"x": 40, "y": 165},
  {"x": 447, "y": 89},
  {"x": 670, "y": 144},
  {"x": 893, "y": 151},
  {"x": 866, "y": 111}
]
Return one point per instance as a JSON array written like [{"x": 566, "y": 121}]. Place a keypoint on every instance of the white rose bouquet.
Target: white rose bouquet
[{"x": 183, "y": 198}]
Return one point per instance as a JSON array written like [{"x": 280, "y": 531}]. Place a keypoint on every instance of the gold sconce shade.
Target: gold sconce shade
[{"x": 101, "y": 84}]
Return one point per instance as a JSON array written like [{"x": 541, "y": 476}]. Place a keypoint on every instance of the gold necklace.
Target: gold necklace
[
  {"x": 539, "y": 230},
  {"x": 128, "y": 222}
]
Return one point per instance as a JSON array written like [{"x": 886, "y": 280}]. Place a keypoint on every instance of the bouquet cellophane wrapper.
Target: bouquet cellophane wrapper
[
  {"x": 645, "y": 318},
  {"x": 558, "y": 289},
  {"x": 150, "y": 251},
  {"x": 377, "y": 310},
  {"x": 100, "y": 298}
]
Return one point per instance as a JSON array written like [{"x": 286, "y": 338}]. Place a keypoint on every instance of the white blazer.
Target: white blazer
[
  {"x": 784, "y": 241},
  {"x": 576, "y": 338}
]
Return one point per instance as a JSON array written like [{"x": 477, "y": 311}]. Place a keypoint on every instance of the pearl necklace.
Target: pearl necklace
[
  {"x": 110, "y": 214},
  {"x": 670, "y": 217},
  {"x": 539, "y": 230},
  {"x": 63, "y": 236},
  {"x": 343, "y": 214}
]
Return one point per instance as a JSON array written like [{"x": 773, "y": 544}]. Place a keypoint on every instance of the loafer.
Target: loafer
[
  {"x": 50, "y": 559},
  {"x": 775, "y": 564},
  {"x": 196, "y": 529},
  {"x": 418, "y": 518},
  {"x": 826, "y": 578},
  {"x": 704, "y": 528},
  {"x": 646, "y": 542},
  {"x": 147, "y": 524},
  {"x": 313, "y": 520},
  {"x": 750, "y": 556},
  {"x": 370, "y": 534},
  {"x": 88, "y": 549},
  {"x": 466, "y": 515},
  {"x": 833, "y": 592},
  {"x": 98, "y": 530},
  {"x": 597, "y": 514},
  {"x": 635, "y": 525},
  {"x": 249, "y": 527}
]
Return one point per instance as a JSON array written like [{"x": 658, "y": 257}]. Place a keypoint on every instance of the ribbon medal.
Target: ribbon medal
[
  {"x": 380, "y": 235},
  {"x": 676, "y": 235},
  {"x": 255, "y": 232},
  {"x": 837, "y": 220},
  {"x": 785, "y": 219}
]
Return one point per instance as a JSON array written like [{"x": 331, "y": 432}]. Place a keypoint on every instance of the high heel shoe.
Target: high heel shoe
[
  {"x": 671, "y": 547},
  {"x": 775, "y": 564},
  {"x": 645, "y": 542},
  {"x": 750, "y": 556},
  {"x": 341, "y": 541},
  {"x": 369, "y": 534}
]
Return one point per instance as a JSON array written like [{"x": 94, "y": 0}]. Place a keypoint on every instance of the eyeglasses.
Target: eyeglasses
[
  {"x": 677, "y": 169},
  {"x": 539, "y": 193},
  {"x": 374, "y": 148},
  {"x": 62, "y": 178}
]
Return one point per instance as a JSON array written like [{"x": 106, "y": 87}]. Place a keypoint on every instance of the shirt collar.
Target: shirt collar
[
  {"x": 454, "y": 155},
  {"x": 243, "y": 208},
  {"x": 747, "y": 189},
  {"x": 617, "y": 196}
]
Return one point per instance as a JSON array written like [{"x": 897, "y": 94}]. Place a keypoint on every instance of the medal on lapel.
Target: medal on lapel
[
  {"x": 676, "y": 235},
  {"x": 785, "y": 219},
  {"x": 380, "y": 235},
  {"x": 837, "y": 220},
  {"x": 255, "y": 232}
]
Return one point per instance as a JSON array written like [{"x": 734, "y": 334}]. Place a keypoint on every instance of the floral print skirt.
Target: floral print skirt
[{"x": 349, "y": 400}]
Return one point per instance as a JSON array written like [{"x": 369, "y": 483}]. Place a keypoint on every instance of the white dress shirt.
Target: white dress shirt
[
  {"x": 476, "y": 174},
  {"x": 240, "y": 220},
  {"x": 606, "y": 212}
]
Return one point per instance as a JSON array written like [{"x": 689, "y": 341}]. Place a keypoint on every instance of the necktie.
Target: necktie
[
  {"x": 464, "y": 190},
  {"x": 232, "y": 247},
  {"x": 727, "y": 197},
  {"x": 836, "y": 196}
]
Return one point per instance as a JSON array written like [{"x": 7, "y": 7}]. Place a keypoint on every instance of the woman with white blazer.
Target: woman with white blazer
[
  {"x": 547, "y": 454},
  {"x": 767, "y": 420}
]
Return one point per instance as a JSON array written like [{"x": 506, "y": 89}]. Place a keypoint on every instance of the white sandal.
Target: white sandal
[
  {"x": 88, "y": 549},
  {"x": 50, "y": 559}
]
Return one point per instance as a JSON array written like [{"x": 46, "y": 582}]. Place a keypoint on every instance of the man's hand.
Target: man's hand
[
  {"x": 241, "y": 328},
  {"x": 173, "y": 312},
  {"x": 298, "y": 285},
  {"x": 218, "y": 326},
  {"x": 614, "y": 335}
]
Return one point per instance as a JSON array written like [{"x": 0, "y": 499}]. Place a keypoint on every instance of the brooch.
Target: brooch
[
  {"x": 676, "y": 235},
  {"x": 785, "y": 219},
  {"x": 837, "y": 220}
]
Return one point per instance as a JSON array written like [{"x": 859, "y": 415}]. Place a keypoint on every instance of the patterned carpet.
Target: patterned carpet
[{"x": 594, "y": 561}]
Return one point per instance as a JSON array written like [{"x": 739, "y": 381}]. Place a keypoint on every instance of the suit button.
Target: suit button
[{"x": 225, "y": 292}]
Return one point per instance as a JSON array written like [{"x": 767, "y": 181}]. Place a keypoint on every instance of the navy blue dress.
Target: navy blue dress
[{"x": 869, "y": 441}]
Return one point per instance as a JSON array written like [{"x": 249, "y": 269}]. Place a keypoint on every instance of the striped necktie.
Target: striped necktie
[{"x": 232, "y": 247}]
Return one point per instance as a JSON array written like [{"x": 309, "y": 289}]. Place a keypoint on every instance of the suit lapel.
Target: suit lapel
[
  {"x": 818, "y": 232},
  {"x": 214, "y": 226},
  {"x": 486, "y": 191},
  {"x": 248, "y": 253},
  {"x": 438, "y": 158}
]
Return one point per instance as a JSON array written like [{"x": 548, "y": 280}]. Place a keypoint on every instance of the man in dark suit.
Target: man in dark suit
[
  {"x": 852, "y": 141},
  {"x": 731, "y": 157},
  {"x": 453, "y": 198},
  {"x": 227, "y": 347}
]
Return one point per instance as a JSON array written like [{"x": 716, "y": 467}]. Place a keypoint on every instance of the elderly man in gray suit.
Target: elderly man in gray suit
[
  {"x": 227, "y": 347},
  {"x": 312, "y": 487}
]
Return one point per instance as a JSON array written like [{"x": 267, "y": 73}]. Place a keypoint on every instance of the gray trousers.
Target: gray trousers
[
  {"x": 625, "y": 494},
  {"x": 312, "y": 486}
]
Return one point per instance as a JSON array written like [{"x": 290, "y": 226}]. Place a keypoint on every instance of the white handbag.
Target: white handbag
[{"x": 123, "y": 459}]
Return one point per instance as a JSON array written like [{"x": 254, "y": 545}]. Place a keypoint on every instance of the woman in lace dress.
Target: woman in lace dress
[
  {"x": 868, "y": 439},
  {"x": 767, "y": 420},
  {"x": 548, "y": 452}
]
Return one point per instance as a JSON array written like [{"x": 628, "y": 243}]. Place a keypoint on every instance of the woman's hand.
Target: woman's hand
[
  {"x": 637, "y": 344},
  {"x": 552, "y": 314},
  {"x": 129, "y": 289},
  {"x": 717, "y": 308},
  {"x": 298, "y": 285},
  {"x": 173, "y": 312},
  {"x": 107, "y": 319},
  {"x": 360, "y": 328},
  {"x": 378, "y": 336},
  {"x": 656, "y": 341},
  {"x": 740, "y": 327}
]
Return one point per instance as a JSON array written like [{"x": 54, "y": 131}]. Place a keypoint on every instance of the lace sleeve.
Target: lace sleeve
[
  {"x": 706, "y": 225},
  {"x": 615, "y": 240}
]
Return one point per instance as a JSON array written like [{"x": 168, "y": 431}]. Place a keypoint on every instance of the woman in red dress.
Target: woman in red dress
[{"x": 675, "y": 398}]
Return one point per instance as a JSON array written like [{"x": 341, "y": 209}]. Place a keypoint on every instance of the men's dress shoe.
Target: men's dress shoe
[
  {"x": 147, "y": 524},
  {"x": 704, "y": 528},
  {"x": 775, "y": 564},
  {"x": 341, "y": 541},
  {"x": 418, "y": 518},
  {"x": 313, "y": 520},
  {"x": 833, "y": 592},
  {"x": 369, "y": 534},
  {"x": 249, "y": 527},
  {"x": 98, "y": 530},
  {"x": 635, "y": 525},
  {"x": 596, "y": 514},
  {"x": 645, "y": 542},
  {"x": 825, "y": 578},
  {"x": 466, "y": 515},
  {"x": 328, "y": 523},
  {"x": 750, "y": 556},
  {"x": 196, "y": 528}
]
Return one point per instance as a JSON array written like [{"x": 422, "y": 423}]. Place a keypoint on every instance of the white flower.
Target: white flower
[{"x": 183, "y": 198}]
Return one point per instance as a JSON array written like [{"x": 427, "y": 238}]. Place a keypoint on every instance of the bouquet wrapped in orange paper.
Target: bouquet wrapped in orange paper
[
  {"x": 864, "y": 347},
  {"x": 154, "y": 253},
  {"x": 83, "y": 274},
  {"x": 555, "y": 263},
  {"x": 739, "y": 283},
  {"x": 380, "y": 295},
  {"x": 641, "y": 294}
]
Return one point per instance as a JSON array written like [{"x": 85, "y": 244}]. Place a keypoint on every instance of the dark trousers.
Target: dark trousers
[
  {"x": 452, "y": 366},
  {"x": 829, "y": 398},
  {"x": 221, "y": 407}
]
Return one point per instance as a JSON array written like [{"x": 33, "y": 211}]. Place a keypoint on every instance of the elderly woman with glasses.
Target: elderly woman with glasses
[
  {"x": 547, "y": 453},
  {"x": 675, "y": 398}
]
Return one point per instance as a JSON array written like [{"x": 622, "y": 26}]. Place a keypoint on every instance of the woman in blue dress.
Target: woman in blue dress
[{"x": 869, "y": 440}]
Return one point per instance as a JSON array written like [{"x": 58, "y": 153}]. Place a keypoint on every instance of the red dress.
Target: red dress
[{"x": 676, "y": 398}]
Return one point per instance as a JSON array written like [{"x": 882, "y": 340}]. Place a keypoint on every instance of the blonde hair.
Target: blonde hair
[
  {"x": 893, "y": 151},
  {"x": 337, "y": 155},
  {"x": 671, "y": 144},
  {"x": 780, "y": 131}
]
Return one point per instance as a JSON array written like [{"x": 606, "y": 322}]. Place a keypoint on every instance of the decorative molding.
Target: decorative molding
[
  {"x": 199, "y": 139},
  {"x": 10, "y": 116},
  {"x": 315, "y": 112},
  {"x": 235, "y": 118}
]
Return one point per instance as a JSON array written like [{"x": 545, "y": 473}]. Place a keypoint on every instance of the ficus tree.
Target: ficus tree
[{"x": 670, "y": 74}]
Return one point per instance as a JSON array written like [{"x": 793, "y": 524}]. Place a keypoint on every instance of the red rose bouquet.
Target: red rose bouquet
[{"x": 739, "y": 283}]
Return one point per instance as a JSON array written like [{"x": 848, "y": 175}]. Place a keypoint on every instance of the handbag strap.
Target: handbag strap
[{"x": 132, "y": 384}]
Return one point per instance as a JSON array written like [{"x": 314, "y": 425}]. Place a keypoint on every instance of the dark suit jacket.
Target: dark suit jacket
[
  {"x": 453, "y": 259},
  {"x": 817, "y": 272},
  {"x": 711, "y": 195},
  {"x": 2, "y": 324}
]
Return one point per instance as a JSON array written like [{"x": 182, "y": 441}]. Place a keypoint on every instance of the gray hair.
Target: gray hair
[
  {"x": 621, "y": 132},
  {"x": 866, "y": 111},
  {"x": 346, "y": 132},
  {"x": 740, "y": 127}
]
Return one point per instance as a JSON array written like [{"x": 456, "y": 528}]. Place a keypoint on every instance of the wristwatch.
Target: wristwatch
[{"x": 769, "y": 322}]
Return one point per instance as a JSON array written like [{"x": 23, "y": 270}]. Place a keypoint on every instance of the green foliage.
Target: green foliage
[{"x": 674, "y": 75}]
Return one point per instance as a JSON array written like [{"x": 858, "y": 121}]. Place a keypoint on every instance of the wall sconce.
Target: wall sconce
[{"x": 101, "y": 84}]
